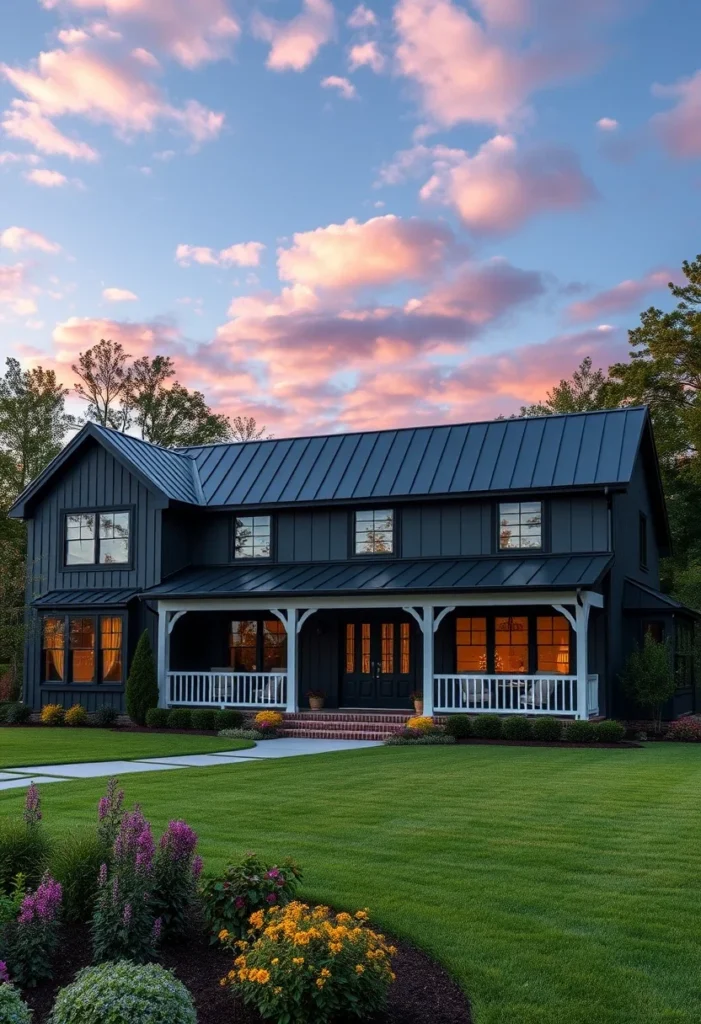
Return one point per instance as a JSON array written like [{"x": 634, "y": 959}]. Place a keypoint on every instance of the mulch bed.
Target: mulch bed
[
  {"x": 423, "y": 993},
  {"x": 626, "y": 744}
]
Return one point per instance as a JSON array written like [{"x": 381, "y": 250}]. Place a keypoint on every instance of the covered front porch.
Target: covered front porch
[{"x": 511, "y": 653}]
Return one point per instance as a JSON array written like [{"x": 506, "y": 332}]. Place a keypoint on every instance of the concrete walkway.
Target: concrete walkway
[{"x": 14, "y": 778}]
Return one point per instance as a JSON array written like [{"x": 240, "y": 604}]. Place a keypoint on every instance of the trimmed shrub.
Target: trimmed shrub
[
  {"x": 76, "y": 716},
  {"x": 417, "y": 739},
  {"x": 180, "y": 718},
  {"x": 241, "y": 734},
  {"x": 487, "y": 727},
  {"x": 52, "y": 714},
  {"x": 309, "y": 964},
  {"x": 4, "y": 705},
  {"x": 203, "y": 718},
  {"x": 228, "y": 718},
  {"x": 75, "y": 863},
  {"x": 610, "y": 731},
  {"x": 105, "y": 717},
  {"x": 546, "y": 729},
  {"x": 124, "y": 993},
  {"x": 458, "y": 726},
  {"x": 13, "y": 1009},
  {"x": 517, "y": 728},
  {"x": 18, "y": 713},
  {"x": 581, "y": 731},
  {"x": 142, "y": 683},
  {"x": 157, "y": 718},
  {"x": 246, "y": 886},
  {"x": 684, "y": 730}
]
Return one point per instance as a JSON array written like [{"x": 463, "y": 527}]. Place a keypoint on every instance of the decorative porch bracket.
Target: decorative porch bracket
[
  {"x": 288, "y": 617},
  {"x": 424, "y": 615},
  {"x": 579, "y": 622},
  {"x": 304, "y": 616}
]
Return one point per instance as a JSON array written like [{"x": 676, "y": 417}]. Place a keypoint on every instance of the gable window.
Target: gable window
[
  {"x": 70, "y": 649},
  {"x": 257, "y": 645},
  {"x": 642, "y": 541},
  {"x": 374, "y": 532},
  {"x": 520, "y": 525},
  {"x": 252, "y": 537},
  {"x": 97, "y": 538}
]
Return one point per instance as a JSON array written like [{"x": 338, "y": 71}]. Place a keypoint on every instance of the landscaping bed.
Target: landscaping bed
[
  {"x": 624, "y": 744},
  {"x": 423, "y": 993}
]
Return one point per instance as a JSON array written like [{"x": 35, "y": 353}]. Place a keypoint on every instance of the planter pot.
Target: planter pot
[
  {"x": 316, "y": 703},
  {"x": 419, "y": 707}
]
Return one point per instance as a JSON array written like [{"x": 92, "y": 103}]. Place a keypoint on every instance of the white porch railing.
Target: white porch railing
[
  {"x": 228, "y": 689},
  {"x": 525, "y": 695},
  {"x": 592, "y": 695}
]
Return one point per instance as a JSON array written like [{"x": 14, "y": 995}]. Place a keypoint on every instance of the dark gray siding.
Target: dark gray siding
[
  {"x": 93, "y": 480},
  {"x": 312, "y": 536},
  {"x": 579, "y": 523},
  {"x": 444, "y": 528}
]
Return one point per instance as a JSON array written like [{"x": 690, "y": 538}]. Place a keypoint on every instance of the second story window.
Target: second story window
[
  {"x": 374, "y": 532},
  {"x": 252, "y": 537},
  {"x": 97, "y": 538},
  {"x": 520, "y": 525}
]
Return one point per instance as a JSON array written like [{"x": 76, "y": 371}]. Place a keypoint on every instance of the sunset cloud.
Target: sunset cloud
[
  {"x": 627, "y": 295},
  {"x": 362, "y": 17},
  {"x": 45, "y": 178},
  {"x": 18, "y": 239},
  {"x": 680, "y": 128},
  {"x": 119, "y": 295},
  {"x": 24, "y": 120},
  {"x": 366, "y": 55},
  {"x": 344, "y": 88},
  {"x": 607, "y": 124},
  {"x": 295, "y": 43},
  {"x": 12, "y": 284},
  {"x": 241, "y": 254}
]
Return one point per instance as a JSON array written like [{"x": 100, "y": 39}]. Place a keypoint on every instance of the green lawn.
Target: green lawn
[
  {"x": 37, "y": 746},
  {"x": 560, "y": 886}
]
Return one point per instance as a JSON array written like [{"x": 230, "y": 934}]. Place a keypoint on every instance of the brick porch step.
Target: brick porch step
[{"x": 346, "y": 725}]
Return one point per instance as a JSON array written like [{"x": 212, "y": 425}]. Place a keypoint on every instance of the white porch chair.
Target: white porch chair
[{"x": 539, "y": 694}]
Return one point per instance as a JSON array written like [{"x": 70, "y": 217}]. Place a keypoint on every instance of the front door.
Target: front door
[{"x": 378, "y": 661}]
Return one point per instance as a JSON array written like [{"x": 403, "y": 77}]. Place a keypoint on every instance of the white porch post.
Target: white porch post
[
  {"x": 427, "y": 629},
  {"x": 289, "y": 620},
  {"x": 162, "y": 656},
  {"x": 582, "y": 629}
]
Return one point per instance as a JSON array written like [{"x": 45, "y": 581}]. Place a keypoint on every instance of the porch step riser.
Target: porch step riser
[
  {"x": 350, "y": 716},
  {"x": 335, "y": 728},
  {"x": 325, "y": 734}
]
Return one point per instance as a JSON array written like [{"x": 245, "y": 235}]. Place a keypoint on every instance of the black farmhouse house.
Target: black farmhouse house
[{"x": 508, "y": 566}]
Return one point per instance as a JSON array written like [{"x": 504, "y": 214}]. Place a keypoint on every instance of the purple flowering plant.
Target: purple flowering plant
[
  {"x": 32, "y": 806},
  {"x": 110, "y": 811},
  {"x": 31, "y": 941},
  {"x": 246, "y": 886},
  {"x": 177, "y": 869}
]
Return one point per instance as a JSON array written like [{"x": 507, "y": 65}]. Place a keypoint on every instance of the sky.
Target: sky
[{"x": 336, "y": 216}]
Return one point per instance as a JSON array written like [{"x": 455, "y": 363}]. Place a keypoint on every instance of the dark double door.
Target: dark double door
[{"x": 378, "y": 660}]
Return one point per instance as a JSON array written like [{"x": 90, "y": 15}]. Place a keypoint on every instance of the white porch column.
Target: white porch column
[
  {"x": 582, "y": 630},
  {"x": 162, "y": 655},
  {"x": 288, "y": 618},
  {"x": 427, "y": 630}
]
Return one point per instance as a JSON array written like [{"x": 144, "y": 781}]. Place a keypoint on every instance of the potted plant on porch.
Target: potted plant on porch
[
  {"x": 316, "y": 699},
  {"x": 417, "y": 699}
]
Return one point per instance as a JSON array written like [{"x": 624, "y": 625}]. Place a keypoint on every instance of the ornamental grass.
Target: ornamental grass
[{"x": 304, "y": 963}]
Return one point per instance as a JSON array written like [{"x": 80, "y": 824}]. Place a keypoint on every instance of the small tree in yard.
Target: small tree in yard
[
  {"x": 142, "y": 684},
  {"x": 648, "y": 677}
]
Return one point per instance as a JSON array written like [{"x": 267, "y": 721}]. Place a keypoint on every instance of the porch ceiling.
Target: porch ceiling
[{"x": 553, "y": 572}]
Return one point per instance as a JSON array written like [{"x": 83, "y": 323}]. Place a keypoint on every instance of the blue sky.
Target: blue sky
[{"x": 419, "y": 211}]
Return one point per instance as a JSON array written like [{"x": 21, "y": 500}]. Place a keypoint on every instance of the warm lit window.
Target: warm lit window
[
  {"x": 70, "y": 649},
  {"x": 520, "y": 525},
  {"x": 511, "y": 643},
  {"x": 274, "y": 645},
  {"x": 97, "y": 538},
  {"x": 405, "y": 648},
  {"x": 387, "y": 648},
  {"x": 111, "y": 648},
  {"x": 252, "y": 537},
  {"x": 374, "y": 532},
  {"x": 553, "y": 641},
  {"x": 350, "y": 648},
  {"x": 81, "y": 643},
  {"x": 257, "y": 645},
  {"x": 471, "y": 645},
  {"x": 54, "y": 649},
  {"x": 243, "y": 645}
]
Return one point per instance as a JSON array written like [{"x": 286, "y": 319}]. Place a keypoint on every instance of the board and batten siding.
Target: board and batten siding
[{"x": 94, "y": 480}]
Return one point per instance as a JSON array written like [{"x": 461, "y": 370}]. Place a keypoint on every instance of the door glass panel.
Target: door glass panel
[
  {"x": 111, "y": 648},
  {"x": 82, "y": 648},
  {"x": 274, "y": 645},
  {"x": 511, "y": 643},
  {"x": 350, "y": 647},
  {"x": 553, "y": 636},
  {"x": 387, "y": 651},
  {"x": 405, "y": 648},
  {"x": 365, "y": 648},
  {"x": 470, "y": 644},
  {"x": 243, "y": 640}
]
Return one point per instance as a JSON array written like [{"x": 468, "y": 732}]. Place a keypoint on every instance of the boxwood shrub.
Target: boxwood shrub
[
  {"x": 180, "y": 718},
  {"x": 546, "y": 729},
  {"x": 203, "y": 718},
  {"x": 158, "y": 718},
  {"x": 581, "y": 731},
  {"x": 229, "y": 718},
  {"x": 125, "y": 993},
  {"x": 610, "y": 731},
  {"x": 517, "y": 728},
  {"x": 458, "y": 726},
  {"x": 17, "y": 713},
  {"x": 105, "y": 717},
  {"x": 487, "y": 727}
]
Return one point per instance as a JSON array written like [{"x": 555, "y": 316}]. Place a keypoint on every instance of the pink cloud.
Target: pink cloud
[
  {"x": 607, "y": 124},
  {"x": 45, "y": 178},
  {"x": 18, "y": 239},
  {"x": 361, "y": 17},
  {"x": 12, "y": 285},
  {"x": 381, "y": 251},
  {"x": 344, "y": 88},
  {"x": 622, "y": 297},
  {"x": 295, "y": 43},
  {"x": 7, "y": 157},
  {"x": 119, "y": 295},
  {"x": 366, "y": 55},
  {"x": 680, "y": 128},
  {"x": 499, "y": 188},
  {"x": 241, "y": 254},
  {"x": 25, "y": 121}
]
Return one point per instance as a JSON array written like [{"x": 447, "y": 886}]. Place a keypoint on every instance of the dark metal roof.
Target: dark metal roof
[
  {"x": 87, "y": 597},
  {"x": 580, "y": 449},
  {"x": 639, "y": 597},
  {"x": 386, "y": 576}
]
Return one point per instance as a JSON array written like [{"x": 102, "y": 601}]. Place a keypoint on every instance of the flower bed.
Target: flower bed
[{"x": 515, "y": 729}]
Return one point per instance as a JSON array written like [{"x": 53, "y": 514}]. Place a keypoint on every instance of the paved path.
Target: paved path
[{"x": 14, "y": 778}]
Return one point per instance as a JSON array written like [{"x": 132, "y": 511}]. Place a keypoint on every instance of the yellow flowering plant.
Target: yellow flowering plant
[
  {"x": 302, "y": 963},
  {"x": 52, "y": 714},
  {"x": 267, "y": 720},
  {"x": 421, "y": 723}
]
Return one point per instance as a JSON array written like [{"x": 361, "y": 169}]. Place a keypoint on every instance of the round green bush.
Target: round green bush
[
  {"x": 157, "y": 718},
  {"x": 105, "y": 717},
  {"x": 229, "y": 718},
  {"x": 204, "y": 718},
  {"x": 18, "y": 714},
  {"x": 180, "y": 718},
  {"x": 13, "y": 1009},
  {"x": 610, "y": 731},
  {"x": 517, "y": 728},
  {"x": 487, "y": 727},
  {"x": 124, "y": 993},
  {"x": 458, "y": 726},
  {"x": 546, "y": 729},
  {"x": 581, "y": 732}
]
